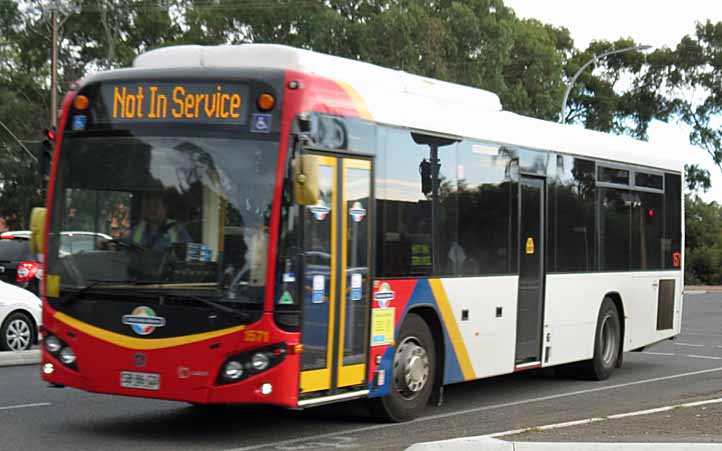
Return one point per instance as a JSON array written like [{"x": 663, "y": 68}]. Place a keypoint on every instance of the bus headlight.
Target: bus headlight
[
  {"x": 246, "y": 364},
  {"x": 52, "y": 344},
  {"x": 260, "y": 361},
  {"x": 233, "y": 370},
  {"x": 67, "y": 356}
]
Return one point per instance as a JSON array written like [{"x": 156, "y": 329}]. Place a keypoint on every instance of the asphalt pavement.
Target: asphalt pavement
[{"x": 688, "y": 369}]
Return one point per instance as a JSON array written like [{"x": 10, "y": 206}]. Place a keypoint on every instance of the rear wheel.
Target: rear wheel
[
  {"x": 16, "y": 333},
  {"x": 607, "y": 343},
  {"x": 413, "y": 375}
]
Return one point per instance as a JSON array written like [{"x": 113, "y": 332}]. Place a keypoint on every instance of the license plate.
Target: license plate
[{"x": 144, "y": 381}]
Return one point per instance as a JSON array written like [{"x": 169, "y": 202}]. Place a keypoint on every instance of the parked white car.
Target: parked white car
[{"x": 20, "y": 317}]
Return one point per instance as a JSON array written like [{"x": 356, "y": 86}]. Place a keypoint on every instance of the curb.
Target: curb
[
  {"x": 10, "y": 358},
  {"x": 482, "y": 443}
]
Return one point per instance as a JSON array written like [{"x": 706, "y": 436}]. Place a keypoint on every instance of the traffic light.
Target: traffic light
[
  {"x": 425, "y": 172},
  {"x": 45, "y": 152}
]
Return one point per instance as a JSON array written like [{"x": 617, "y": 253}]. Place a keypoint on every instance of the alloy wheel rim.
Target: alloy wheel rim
[
  {"x": 411, "y": 368},
  {"x": 18, "y": 335},
  {"x": 609, "y": 340}
]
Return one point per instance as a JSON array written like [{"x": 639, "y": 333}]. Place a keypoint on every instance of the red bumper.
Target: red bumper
[{"x": 187, "y": 372}]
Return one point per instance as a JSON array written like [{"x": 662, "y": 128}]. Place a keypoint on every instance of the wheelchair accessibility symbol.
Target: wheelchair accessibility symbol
[{"x": 261, "y": 123}]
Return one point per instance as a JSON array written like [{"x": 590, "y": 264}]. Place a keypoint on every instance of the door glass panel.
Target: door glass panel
[
  {"x": 317, "y": 232},
  {"x": 357, "y": 190}
]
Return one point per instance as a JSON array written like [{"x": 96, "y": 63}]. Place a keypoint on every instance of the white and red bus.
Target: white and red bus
[{"x": 295, "y": 229}]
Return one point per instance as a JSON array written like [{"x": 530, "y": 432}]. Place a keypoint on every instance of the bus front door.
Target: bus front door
[{"x": 336, "y": 258}]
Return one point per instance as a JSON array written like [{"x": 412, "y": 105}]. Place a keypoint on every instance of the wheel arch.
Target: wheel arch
[
  {"x": 619, "y": 304},
  {"x": 431, "y": 317}
]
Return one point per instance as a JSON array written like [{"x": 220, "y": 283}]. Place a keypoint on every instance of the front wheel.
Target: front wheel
[
  {"x": 16, "y": 333},
  {"x": 413, "y": 374},
  {"x": 607, "y": 343}
]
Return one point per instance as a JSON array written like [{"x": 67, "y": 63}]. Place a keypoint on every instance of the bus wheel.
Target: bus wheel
[
  {"x": 607, "y": 343},
  {"x": 412, "y": 378}
]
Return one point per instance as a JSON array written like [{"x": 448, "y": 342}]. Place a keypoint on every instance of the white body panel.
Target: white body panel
[
  {"x": 14, "y": 298},
  {"x": 572, "y": 303},
  {"x": 490, "y": 341}
]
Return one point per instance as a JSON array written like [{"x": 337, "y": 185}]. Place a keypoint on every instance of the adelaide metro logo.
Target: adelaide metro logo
[{"x": 143, "y": 320}]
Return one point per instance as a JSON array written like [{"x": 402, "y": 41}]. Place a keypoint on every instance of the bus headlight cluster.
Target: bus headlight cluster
[
  {"x": 60, "y": 350},
  {"x": 247, "y": 364}
]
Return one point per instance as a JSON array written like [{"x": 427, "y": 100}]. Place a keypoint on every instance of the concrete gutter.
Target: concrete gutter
[
  {"x": 16, "y": 358},
  {"x": 483, "y": 443}
]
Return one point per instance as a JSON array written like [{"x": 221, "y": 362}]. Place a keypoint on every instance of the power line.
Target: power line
[{"x": 18, "y": 141}]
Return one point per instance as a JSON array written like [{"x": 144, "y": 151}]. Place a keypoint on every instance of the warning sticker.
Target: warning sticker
[
  {"x": 319, "y": 283},
  {"x": 530, "y": 245},
  {"x": 382, "y": 326},
  {"x": 286, "y": 298}
]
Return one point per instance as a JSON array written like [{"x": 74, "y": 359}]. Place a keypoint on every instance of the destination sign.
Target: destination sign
[{"x": 175, "y": 102}]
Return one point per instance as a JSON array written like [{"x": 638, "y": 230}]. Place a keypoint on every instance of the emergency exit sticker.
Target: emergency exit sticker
[{"x": 529, "y": 246}]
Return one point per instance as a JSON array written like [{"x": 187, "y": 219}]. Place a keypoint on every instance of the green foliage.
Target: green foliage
[{"x": 703, "y": 242}]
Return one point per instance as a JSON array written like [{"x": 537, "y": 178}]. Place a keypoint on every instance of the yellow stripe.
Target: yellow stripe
[
  {"x": 452, "y": 328},
  {"x": 140, "y": 343},
  {"x": 357, "y": 100}
]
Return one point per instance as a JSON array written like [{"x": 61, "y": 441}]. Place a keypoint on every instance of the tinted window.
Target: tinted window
[
  {"x": 571, "y": 216},
  {"x": 487, "y": 210},
  {"x": 614, "y": 229},
  {"x": 644, "y": 180},
  {"x": 673, "y": 220},
  {"x": 647, "y": 227},
  {"x": 14, "y": 250},
  {"x": 447, "y": 258},
  {"x": 405, "y": 206},
  {"x": 613, "y": 175}
]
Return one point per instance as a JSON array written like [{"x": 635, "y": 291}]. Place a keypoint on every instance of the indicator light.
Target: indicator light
[
  {"x": 265, "y": 101},
  {"x": 81, "y": 102}
]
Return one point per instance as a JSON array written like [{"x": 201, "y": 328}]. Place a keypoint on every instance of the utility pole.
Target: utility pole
[{"x": 54, "y": 65}]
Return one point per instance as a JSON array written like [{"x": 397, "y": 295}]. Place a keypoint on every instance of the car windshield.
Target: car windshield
[
  {"x": 184, "y": 214},
  {"x": 14, "y": 249}
]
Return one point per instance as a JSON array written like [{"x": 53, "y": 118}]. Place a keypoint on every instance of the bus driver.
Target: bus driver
[{"x": 156, "y": 231}]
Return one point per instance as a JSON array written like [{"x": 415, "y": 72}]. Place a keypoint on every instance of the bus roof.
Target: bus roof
[{"x": 399, "y": 98}]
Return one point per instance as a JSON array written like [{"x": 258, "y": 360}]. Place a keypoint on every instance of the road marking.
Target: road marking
[
  {"x": 703, "y": 357},
  {"x": 23, "y": 406},
  {"x": 657, "y": 353},
  {"x": 598, "y": 419},
  {"x": 473, "y": 410},
  {"x": 690, "y": 345}
]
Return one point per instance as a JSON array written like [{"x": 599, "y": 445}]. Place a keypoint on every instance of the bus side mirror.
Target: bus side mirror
[
  {"x": 305, "y": 180},
  {"x": 37, "y": 229}
]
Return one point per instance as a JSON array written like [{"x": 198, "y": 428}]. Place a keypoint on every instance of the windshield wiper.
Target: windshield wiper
[
  {"x": 218, "y": 306},
  {"x": 70, "y": 297}
]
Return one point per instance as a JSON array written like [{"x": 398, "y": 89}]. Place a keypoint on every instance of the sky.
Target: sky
[{"x": 656, "y": 23}]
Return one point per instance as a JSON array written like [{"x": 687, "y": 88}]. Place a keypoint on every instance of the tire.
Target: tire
[
  {"x": 16, "y": 333},
  {"x": 607, "y": 344},
  {"x": 413, "y": 374}
]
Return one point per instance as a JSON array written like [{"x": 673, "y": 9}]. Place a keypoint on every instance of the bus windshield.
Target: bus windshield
[{"x": 184, "y": 214}]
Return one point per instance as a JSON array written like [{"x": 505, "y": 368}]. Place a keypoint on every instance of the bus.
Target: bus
[{"x": 278, "y": 226}]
